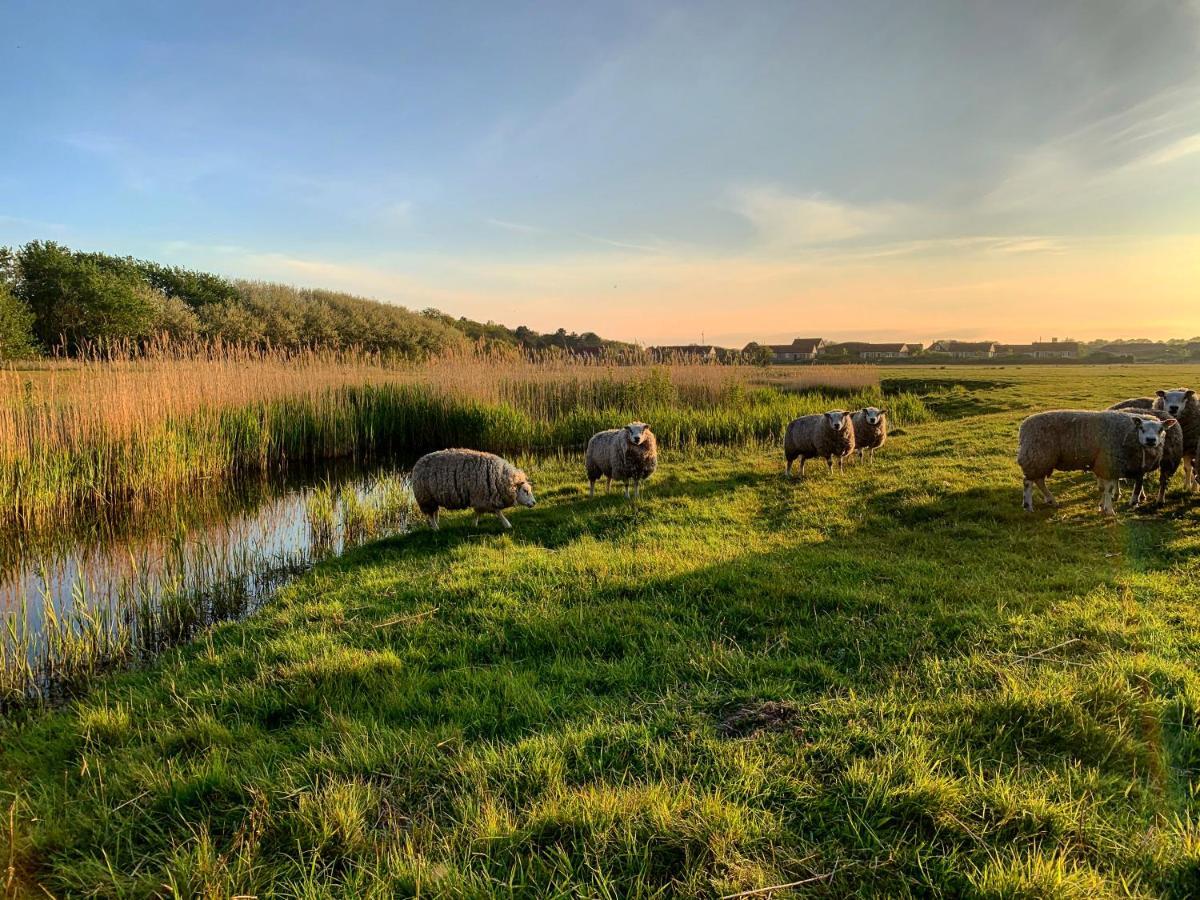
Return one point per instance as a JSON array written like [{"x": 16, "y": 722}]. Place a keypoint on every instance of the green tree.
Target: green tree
[
  {"x": 16, "y": 326},
  {"x": 758, "y": 355},
  {"x": 77, "y": 298},
  {"x": 231, "y": 322}
]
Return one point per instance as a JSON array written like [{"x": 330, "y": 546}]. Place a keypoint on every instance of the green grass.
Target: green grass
[{"x": 889, "y": 683}]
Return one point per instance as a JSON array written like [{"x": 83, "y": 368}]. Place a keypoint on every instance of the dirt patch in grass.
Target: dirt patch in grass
[{"x": 755, "y": 718}]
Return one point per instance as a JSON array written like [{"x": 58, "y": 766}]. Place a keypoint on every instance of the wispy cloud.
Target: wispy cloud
[
  {"x": 1181, "y": 148},
  {"x": 784, "y": 220},
  {"x": 517, "y": 227},
  {"x": 144, "y": 170},
  {"x": 401, "y": 212}
]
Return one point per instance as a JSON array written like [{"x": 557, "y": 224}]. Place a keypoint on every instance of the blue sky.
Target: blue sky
[{"x": 651, "y": 171}]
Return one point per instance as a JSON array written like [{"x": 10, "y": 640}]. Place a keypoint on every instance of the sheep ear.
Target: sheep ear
[
  {"x": 1160, "y": 393},
  {"x": 1190, "y": 393},
  {"x": 883, "y": 412},
  {"x": 1167, "y": 423}
]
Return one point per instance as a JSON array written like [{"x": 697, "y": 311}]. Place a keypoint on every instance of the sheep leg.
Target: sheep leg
[
  {"x": 841, "y": 464},
  {"x": 802, "y": 459},
  {"x": 788, "y": 468},
  {"x": 1137, "y": 494},
  {"x": 503, "y": 521},
  {"x": 626, "y": 483},
  {"x": 829, "y": 463},
  {"x": 1046, "y": 495},
  {"x": 433, "y": 520},
  {"x": 591, "y": 488},
  {"x": 475, "y": 520},
  {"x": 1189, "y": 476},
  {"x": 1108, "y": 490},
  {"x": 637, "y": 489},
  {"x": 608, "y": 485},
  {"x": 1162, "y": 487},
  {"x": 1027, "y": 503}
]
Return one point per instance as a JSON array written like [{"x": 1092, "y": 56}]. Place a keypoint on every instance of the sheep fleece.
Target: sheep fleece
[
  {"x": 1078, "y": 440},
  {"x": 1172, "y": 446},
  {"x": 465, "y": 479},
  {"x": 866, "y": 435},
  {"x": 610, "y": 455},
  {"x": 813, "y": 436},
  {"x": 1189, "y": 421}
]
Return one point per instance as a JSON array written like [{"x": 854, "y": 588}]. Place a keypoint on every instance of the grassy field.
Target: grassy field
[{"x": 890, "y": 683}]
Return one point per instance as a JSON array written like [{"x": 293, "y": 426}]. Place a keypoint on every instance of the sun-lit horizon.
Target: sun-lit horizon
[{"x": 659, "y": 174}]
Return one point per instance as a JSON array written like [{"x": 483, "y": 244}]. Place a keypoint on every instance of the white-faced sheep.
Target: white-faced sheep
[
  {"x": 870, "y": 431},
  {"x": 469, "y": 479},
  {"x": 1184, "y": 405},
  {"x": 628, "y": 454},
  {"x": 1172, "y": 450},
  {"x": 1111, "y": 444},
  {"x": 826, "y": 436}
]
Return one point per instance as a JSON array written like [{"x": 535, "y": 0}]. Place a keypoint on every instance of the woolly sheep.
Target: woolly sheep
[
  {"x": 1184, "y": 405},
  {"x": 1173, "y": 448},
  {"x": 825, "y": 435},
  {"x": 626, "y": 454},
  {"x": 469, "y": 479},
  {"x": 1112, "y": 444},
  {"x": 870, "y": 431}
]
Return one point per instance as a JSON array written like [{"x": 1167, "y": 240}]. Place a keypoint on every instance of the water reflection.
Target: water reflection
[{"x": 135, "y": 581}]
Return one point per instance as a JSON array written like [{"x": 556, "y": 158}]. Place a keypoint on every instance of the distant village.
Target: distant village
[{"x": 818, "y": 350}]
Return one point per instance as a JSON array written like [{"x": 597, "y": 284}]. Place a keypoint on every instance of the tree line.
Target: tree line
[{"x": 57, "y": 300}]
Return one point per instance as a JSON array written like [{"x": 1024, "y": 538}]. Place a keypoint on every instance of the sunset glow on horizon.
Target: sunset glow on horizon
[{"x": 649, "y": 172}]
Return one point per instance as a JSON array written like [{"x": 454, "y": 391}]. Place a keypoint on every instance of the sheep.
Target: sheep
[
  {"x": 461, "y": 479},
  {"x": 626, "y": 454},
  {"x": 826, "y": 435},
  {"x": 1173, "y": 447},
  {"x": 1112, "y": 444},
  {"x": 870, "y": 431},
  {"x": 1184, "y": 405}
]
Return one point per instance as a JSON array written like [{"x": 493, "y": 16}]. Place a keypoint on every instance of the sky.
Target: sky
[{"x": 651, "y": 171}]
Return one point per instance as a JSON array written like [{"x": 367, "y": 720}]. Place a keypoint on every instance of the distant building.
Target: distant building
[
  {"x": 867, "y": 350},
  {"x": 1055, "y": 349},
  {"x": 799, "y": 350},
  {"x": 965, "y": 349},
  {"x": 1014, "y": 349},
  {"x": 702, "y": 352}
]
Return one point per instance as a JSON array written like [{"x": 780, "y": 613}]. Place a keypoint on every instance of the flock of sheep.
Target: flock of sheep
[
  {"x": 1128, "y": 440},
  {"x": 486, "y": 483}
]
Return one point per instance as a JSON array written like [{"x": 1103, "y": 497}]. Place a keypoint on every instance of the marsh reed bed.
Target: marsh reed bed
[{"x": 120, "y": 427}]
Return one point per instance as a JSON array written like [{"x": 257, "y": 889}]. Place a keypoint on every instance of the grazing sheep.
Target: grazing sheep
[
  {"x": 1184, "y": 405},
  {"x": 1112, "y": 444},
  {"x": 1173, "y": 447},
  {"x": 870, "y": 431},
  {"x": 626, "y": 454},
  {"x": 462, "y": 479},
  {"x": 824, "y": 435}
]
